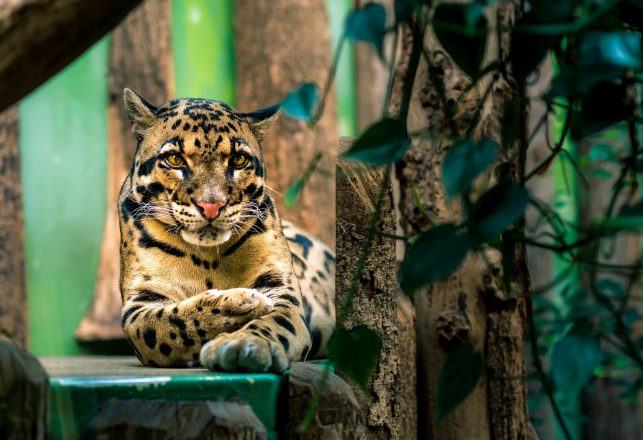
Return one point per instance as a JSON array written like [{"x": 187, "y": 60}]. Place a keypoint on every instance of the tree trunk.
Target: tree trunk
[
  {"x": 40, "y": 37},
  {"x": 468, "y": 305},
  {"x": 140, "y": 59},
  {"x": 13, "y": 296},
  {"x": 391, "y": 409},
  {"x": 280, "y": 44},
  {"x": 338, "y": 414}
]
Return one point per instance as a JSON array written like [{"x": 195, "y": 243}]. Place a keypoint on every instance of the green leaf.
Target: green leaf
[
  {"x": 382, "y": 143},
  {"x": 418, "y": 203},
  {"x": 602, "y": 174},
  {"x": 611, "y": 288},
  {"x": 620, "y": 48},
  {"x": 604, "y": 105},
  {"x": 435, "y": 254},
  {"x": 527, "y": 51},
  {"x": 355, "y": 352},
  {"x": 574, "y": 358},
  {"x": 293, "y": 191},
  {"x": 511, "y": 122},
  {"x": 552, "y": 12},
  {"x": 631, "y": 12},
  {"x": 604, "y": 56},
  {"x": 404, "y": 9},
  {"x": 463, "y": 34},
  {"x": 301, "y": 102},
  {"x": 496, "y": 209},
  {"x": 464, "y": 162},
  {"x": 630, "y": 217},
  {"x": 458, "y": 378},
  {"x": 368, "y": 24},
  {"x": 602, "y": 153}
]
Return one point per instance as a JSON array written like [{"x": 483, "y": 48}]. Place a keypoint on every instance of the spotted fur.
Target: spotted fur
[{"x": 241, "y": 291}]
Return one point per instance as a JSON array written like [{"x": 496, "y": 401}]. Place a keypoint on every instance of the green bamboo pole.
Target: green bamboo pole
[
  {"x": 345, "y": 76},
  {"x": 566, "y": 203},
  {"x": 203, "y": 49}
]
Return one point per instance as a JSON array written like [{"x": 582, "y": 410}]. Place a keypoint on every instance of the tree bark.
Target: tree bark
[
  {"x": 471, "y": 304},
  {"x": 338, "y": 414},
  {"x": 24, "y": 394},
  {"x": 280, "y": 44},
  {"x": 13, "y": 293},
  {"x": 391, "y": 409},
  {"x": 140, "y": 59},
  {"x": 40, "y": 37}
]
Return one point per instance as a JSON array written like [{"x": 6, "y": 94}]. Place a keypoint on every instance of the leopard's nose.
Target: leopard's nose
[{"x": 210, "y": 210}]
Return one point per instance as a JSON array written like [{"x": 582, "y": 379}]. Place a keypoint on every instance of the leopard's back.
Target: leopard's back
[{"x": 314, "y": 265}]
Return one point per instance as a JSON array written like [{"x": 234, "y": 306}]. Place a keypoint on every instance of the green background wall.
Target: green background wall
[{"x": 63, "y": 140}]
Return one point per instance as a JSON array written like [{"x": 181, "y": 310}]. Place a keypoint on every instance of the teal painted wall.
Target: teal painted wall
[{"x": 63, "y": 140}]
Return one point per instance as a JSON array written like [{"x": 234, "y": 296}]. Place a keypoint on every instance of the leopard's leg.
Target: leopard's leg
[
  {"x": 166, "y": 333},
  {"x": 268, "y": 343}
]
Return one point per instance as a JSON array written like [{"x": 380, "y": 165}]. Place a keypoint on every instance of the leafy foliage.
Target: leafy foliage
[
  {"x": 584, "y": 324},
  {"x": 458, "y": 378},
  {"x": 434, "y": 255},
  {"x": 355, "y": 352},
  {"x": 462, "y": 31},
  {"x": 293, "y": 191},
  {"x": 496, "y": 209},
  {"x": 382, "y": 143},
  {"x": 301, "y": 102},
  {"x": 464, "y": 162},
  {"x": 575, "y": 357},
  {"x": 368, "y": 24}
]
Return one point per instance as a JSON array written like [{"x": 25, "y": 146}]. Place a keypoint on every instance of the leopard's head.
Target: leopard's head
[{"x": 198, "y": 167}]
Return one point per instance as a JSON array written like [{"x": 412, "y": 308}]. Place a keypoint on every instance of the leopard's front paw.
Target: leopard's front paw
[
  {"x": 240, "y": 301},
  {"x": 244, "y": 351}
]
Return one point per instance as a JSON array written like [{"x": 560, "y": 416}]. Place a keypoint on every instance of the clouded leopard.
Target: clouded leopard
[{"x": 210, "y": 275}]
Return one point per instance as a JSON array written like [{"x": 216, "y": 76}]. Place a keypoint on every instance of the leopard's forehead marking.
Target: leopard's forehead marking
[{"x": 204, "y": 125}]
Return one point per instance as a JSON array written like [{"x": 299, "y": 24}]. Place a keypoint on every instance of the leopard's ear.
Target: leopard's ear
[
  {"x": 141, "y": 113},
  {"x": 261, "y": 120}
]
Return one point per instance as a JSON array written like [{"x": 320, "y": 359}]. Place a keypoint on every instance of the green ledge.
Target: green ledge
[{"x": 80, "y": 384}]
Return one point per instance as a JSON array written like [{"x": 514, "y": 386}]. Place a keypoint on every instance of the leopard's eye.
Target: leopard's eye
[
  {"x": 239, "y": 161},
  {"x": 174, "y": 160}
]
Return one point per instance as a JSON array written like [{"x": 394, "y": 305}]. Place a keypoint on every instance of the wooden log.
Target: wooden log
[
  {"x": 280, "y": 44},
  {"x": 391, "y": 409},
  {"x": 24, "y": 394},
  {"x": 141, "y": 60},
  {"x": 13, "y": 290},
  {"x": 40, "y": 37},
  {"x": 165, "y": 419},
  {"x": 338, "y": 414}
]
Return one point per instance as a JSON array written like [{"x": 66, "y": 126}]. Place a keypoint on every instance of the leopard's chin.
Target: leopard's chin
[{"x": 206, "y": 237}]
